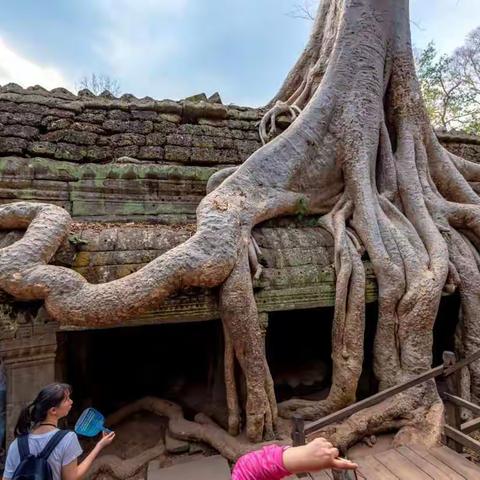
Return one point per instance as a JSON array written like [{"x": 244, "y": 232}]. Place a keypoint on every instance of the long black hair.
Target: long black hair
[{"x": 49, "y": 397}]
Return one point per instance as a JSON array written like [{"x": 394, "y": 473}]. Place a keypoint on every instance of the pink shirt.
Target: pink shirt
[{"x": 264, "y": 464}]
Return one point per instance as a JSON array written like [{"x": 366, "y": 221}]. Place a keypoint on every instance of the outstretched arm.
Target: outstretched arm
[
  {"x": 317, "y": 455},
  {"x": 77, "y": 471},
  {"x": 274, "y": 462}
]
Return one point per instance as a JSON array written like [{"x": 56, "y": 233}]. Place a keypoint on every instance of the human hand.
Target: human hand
[
  {"x": 107, "y": 439},
  {"x": 319, "y": 454}
]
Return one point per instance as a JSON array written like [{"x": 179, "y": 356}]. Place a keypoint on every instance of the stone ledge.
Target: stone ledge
[
  {"x": 107, "y": 192},
  {"x": 457, "y": 137},
  {"x": 62, "y": 98},
  {"x": 293, "y": 276},
  {"x": 32, "y": 348}
]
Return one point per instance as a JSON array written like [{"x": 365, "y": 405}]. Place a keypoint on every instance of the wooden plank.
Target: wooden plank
[
  {"x": 403, "y": 468},
  {"x": 458, "y": 463},
  {"x": 372, "y": 469},
  {"x": 322, "y": 475},
  {"x": 446, "y": 468},
  {"x": 370, "y": 401},
  {"x": 462, "y": 438},
  {"x": 462, "y": 403},
  {"x": 437, "y": 471},
  {"x": 471, "y": 425}
]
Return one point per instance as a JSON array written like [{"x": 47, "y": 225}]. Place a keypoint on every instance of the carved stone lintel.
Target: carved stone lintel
[{"x": 29, "y": 365}]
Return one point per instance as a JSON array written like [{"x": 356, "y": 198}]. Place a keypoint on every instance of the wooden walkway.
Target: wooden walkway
[{"x": 413, "y": 463}]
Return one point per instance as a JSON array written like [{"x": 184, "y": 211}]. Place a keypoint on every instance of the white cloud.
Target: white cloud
[
  {"x": 25, "y": 72},
  {"x": 132, "y": 40},
  {"x": 132, "y": 27}
]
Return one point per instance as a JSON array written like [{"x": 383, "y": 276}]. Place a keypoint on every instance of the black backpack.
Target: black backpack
[{"x": 33, "y": 467}]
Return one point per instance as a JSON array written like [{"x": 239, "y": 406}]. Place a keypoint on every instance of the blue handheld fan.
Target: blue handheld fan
[{"x": 90, "y": 423}]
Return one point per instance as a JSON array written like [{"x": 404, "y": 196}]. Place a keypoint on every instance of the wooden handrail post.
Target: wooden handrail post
[
  {"x": 452, "y": 411},
  {"x": 298, "y": 431},
  {"x": 298, "y": 435}
]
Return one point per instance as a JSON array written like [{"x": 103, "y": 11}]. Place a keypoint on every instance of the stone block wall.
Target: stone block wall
[
  {"x": 110, "y": 192},
  {"x": 107, "y": 159},
  {"x": 122, "y": 160},
  {"x": 466, "y": 146},
  {"x": 87, "y": 129}
]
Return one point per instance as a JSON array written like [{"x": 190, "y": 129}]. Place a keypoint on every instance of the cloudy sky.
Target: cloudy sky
[{"x": 176, "y": 48}]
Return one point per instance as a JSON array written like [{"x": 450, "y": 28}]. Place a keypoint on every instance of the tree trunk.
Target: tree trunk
[{"x": 361, "y": 151}]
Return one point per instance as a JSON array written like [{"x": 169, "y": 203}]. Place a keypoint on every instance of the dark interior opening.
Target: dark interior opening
[
  {"x": 113, "y": 367},
  {"x": 184, "y": 362},
  {"x": 299, "y": 353},
  {"x": 368, "y": 384},
  {"x": 445, "y": 325},
  {"x": 298, "y": 347}
]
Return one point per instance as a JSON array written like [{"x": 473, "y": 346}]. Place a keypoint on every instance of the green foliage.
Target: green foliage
[
  {"x": 451, "y": 85},
  {"x": 311, "y": 222},
  {"x": 301, "y": 207},
  {"x": 76, "y": 240}
]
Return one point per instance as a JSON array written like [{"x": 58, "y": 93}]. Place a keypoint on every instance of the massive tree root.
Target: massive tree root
[
  {"x": 417, "y": 416},
  {"x": 361, "y": 151},
  {"x": 202, "y": 430},
  {"x": 349, "y": 320},
  {"x": 242, "y": 329}
]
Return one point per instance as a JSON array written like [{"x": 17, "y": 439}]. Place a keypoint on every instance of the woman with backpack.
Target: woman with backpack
[{"x": 42, "y": 451}]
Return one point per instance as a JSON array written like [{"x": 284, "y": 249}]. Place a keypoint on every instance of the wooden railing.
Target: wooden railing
[{"x": 455, "y": 432}]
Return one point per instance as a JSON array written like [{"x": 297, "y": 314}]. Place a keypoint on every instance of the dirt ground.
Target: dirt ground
[{"x": 138, "y": 433}]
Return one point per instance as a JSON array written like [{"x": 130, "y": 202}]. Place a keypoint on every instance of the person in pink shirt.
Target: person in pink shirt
[{"x": 274, "y": 462}]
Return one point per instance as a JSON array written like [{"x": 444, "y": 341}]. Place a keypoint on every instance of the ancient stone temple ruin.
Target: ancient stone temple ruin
[{"x": 131, "y": 173}]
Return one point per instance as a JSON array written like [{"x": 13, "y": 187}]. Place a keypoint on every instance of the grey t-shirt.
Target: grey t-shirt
[{"x": 64, "y": 453}]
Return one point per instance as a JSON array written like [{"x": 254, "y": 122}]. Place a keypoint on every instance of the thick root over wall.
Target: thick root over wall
[{"x": 362, "y": 153}]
